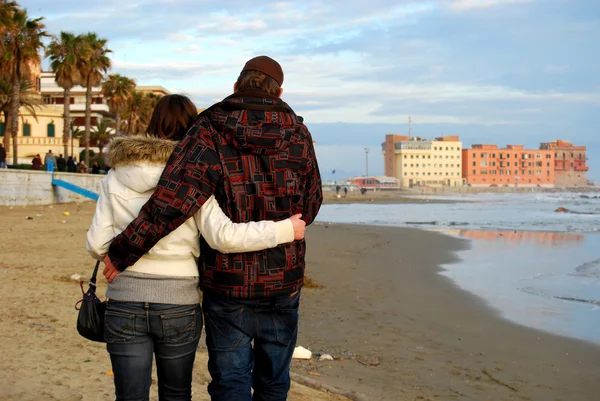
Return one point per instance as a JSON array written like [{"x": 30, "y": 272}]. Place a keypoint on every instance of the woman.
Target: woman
[
  {"x": 153, "y": 306},
  {"x": 37, "y": 162}
]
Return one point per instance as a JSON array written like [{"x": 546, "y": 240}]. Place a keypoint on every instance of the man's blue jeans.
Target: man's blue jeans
[
  {"x": 234, "y": 364},
  {"x": 135, "y": 331}
]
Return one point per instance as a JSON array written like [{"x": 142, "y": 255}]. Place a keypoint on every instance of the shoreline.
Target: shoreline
[{"x": 413, "y": 332}]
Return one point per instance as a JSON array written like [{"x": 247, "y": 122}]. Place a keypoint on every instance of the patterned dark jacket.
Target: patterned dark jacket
[{"x": 257, "y": 157}]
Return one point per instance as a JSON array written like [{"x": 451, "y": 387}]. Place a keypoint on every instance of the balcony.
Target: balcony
[{"x": 581, "y": 168}]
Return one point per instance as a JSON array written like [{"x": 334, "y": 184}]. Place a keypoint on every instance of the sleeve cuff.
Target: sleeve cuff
[{"x": 284, "y": 232}]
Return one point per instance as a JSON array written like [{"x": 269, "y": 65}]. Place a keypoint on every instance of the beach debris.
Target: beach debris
[
  {"x": 110, "y": 373},
  {"x": 38, "y": 215},
  {"x": 28, "y": 218},
  {"x": 76, "y": 277},
  {"x": 301, "y": 353},
  {"x": 565, "y": 210},
  {"x": 45, "y": 326},
  {"x": 314, "y": 374},
  {"x": 66, "y": 213},
  {"x": 492, "y": 378},
  {"x": 325, "y": 357}
]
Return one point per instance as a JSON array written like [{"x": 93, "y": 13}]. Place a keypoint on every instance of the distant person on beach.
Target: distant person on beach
[
  {"x": 82, "y": 168},
  {"x": 256, "y": 156},
  {"x": 95, "y": 168},
  {"x": 345, "y": 192},
  {"x": 37, "y": 162},
  {"x": 153, "y": 307},
  {"x": 71, "y": 165},
  {"x": 337, "y": 189},
  {"x": 50, "y": 161},
  {"x": 2, "y": 156},
  {"x": 61, "y": 163}
]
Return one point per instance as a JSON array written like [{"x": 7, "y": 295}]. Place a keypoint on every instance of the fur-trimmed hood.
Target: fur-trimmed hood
[
  {"x": 138, "y": 148},
  {"x": 138, "y": 161}
]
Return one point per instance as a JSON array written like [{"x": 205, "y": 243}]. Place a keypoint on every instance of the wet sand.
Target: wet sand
[
  {"x": 406, "y": 333},
  {"x": 398, "y": 330}
]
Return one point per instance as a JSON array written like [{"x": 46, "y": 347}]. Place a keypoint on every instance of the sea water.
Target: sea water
[{"x": 536, "y": 267}]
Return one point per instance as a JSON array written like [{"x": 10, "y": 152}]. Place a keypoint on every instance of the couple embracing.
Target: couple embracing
[{"x": 218, "y": 200}]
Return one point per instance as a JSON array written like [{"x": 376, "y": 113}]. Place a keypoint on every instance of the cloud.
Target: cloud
[
  {"x": 487, "y": 68},
  {"x": 468, "y": 5}
]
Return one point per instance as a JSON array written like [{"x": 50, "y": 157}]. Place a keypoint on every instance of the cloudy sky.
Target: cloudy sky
[{"x": 491, "y": 71}]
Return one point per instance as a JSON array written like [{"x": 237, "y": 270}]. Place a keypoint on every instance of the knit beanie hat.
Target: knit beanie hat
[{"x": 267, "y": 66}]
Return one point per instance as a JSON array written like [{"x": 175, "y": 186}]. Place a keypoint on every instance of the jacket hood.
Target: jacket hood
[
  {"x": 255, "y": 122},
  {"x": 138, "y": 161}
]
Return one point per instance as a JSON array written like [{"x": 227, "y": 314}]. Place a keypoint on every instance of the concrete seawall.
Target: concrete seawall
[{"x": 25, "y": 187}]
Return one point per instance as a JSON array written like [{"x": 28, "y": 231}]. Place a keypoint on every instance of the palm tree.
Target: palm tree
[
  {"x": 64, "y": 53},
  {"x": 117, "y": 89},
  {"x": 28, "y": 99},
  {"x": 7, "y": 9},
  {"x": 139, "y": 111},
  {"x": 102, "y": 134},
  {"x": 135, "y": 107},
  {"x": 93, "y": 65},
  {"x": 22, "y": 44}
]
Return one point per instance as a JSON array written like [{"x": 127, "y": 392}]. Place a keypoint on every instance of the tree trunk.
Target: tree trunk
[
  {"x": 7, "y": 133},
  {"x": 14, "y": 113},
  {"x": 67, "y": 121},
  {"x": 118, "y": 122},
  {"x": 88, "y": 121}
]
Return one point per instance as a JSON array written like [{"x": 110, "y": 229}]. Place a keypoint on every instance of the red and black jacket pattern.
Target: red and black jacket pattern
[{"x": 257, "y": 157}]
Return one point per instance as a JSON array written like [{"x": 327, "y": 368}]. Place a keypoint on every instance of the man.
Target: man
[
  {"x": 50, "y": 161},
  {"x": 61, "y": 163},
  {"x": 255, "y": 154},
  {"x": 2, "y": 156},
  {"x": 71, "y": 165}
]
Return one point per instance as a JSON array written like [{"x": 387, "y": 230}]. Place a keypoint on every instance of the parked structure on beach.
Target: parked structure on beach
[
  {"x": 374, "y": 182},
  {"x": 570, "y": 169},
  {"x": 416, "y": 162},
  {"x": 487, "y": 165}
]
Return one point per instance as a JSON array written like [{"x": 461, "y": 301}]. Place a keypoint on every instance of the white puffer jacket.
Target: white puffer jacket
[{"x": 137, "y": 163}]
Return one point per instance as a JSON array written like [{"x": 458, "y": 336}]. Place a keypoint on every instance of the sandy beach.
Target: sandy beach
[{"x": 397, "y": 329}]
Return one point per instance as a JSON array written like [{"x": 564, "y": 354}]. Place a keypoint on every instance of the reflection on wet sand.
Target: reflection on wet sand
[{"x": 537, "y": 237}]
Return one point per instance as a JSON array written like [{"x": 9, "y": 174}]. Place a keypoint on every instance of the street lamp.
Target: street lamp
[{"x": 367, "y": 150}]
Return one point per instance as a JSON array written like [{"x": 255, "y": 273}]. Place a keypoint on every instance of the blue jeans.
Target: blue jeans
[
  {"x": 234, "y": 364},
  {"x": 135, "y": 331}
]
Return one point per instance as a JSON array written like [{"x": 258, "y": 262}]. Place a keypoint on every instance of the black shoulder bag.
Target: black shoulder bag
[{"x": 90, "y": 321}]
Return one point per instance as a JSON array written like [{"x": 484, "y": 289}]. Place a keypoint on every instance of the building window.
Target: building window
[
  {"x": 417, "y": 164},
  {"x": 474, "y": 164},
  {"x": 405, "y": 156},
  {"x": 474, "y": 155},
  {"x": 429, "y": 156},
  {"x": 26, "y": 129},
  {"x": 405, "y": 174},
  {"x": 2, "y": 129},
  {"x": 51, "y": 130},
  {"x": 446, "y": 147}
]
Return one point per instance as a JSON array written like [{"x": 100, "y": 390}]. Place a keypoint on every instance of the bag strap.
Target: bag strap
[{"x": 93, "y": 278}]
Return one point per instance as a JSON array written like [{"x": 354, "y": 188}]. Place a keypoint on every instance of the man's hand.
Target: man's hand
[
  {"x": 110, "y": 271},
  {"x": 299, "y": 226}
]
